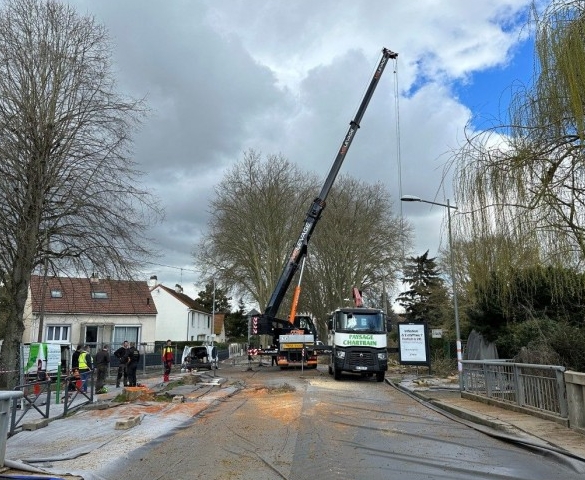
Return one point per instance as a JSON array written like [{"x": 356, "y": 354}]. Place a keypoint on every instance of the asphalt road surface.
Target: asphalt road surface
[{"x": 304, "y": 425}]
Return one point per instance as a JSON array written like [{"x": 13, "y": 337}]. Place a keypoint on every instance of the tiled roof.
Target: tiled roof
[{"x": 82, "y": 296}]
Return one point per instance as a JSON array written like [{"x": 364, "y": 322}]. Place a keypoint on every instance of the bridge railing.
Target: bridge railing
[{"x": 535, "y": 387}]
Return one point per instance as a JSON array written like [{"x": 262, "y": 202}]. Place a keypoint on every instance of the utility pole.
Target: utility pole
[{"x": 213, "y": 314}]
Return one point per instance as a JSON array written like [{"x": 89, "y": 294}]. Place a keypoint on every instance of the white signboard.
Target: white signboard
[
  {"x": 43, "y": 356},
  {"x": 437, "y": 333},
  {"x": 413, "y": 343}
]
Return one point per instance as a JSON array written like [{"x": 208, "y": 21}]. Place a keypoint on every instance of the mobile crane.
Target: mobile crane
[{"x": 302, "y": 327}]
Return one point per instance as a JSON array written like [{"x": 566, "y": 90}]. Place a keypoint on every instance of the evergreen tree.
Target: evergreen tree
[
  {"x": 205, "y": 299},
  {"x": 427, "y": 297},
  {"x": 236, "y": 323}
]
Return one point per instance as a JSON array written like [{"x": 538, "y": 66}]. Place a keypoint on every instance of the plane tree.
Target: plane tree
[
  {"x": 69, "y": 190},
  {"x": 256, "y": 215}
]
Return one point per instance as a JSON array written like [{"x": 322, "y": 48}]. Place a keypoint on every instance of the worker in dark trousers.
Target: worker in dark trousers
[
  {"x": 168, "y": 359},
  {"x": 102, "y": 364},
  {"x": 121, "y": 355},
  {"x": 274, "y": 360},
  {"x": 85, "y": 366},
  {"x": 133, "y": 356}
]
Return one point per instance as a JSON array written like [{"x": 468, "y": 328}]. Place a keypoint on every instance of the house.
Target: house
[
  {"x": 180, "y": 318},
  {"x": 89, "y": 311}
]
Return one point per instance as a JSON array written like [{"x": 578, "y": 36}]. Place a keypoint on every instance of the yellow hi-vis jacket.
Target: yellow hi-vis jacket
[{"x": 84, "y": 364}]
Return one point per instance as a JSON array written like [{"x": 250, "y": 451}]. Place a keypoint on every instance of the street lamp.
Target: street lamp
[
  {"x": 213, "y": 314},
  {"x": 448, "y": 206}
]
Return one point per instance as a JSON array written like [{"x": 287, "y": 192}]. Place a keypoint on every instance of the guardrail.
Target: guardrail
[{"x": 538, "y": 388}]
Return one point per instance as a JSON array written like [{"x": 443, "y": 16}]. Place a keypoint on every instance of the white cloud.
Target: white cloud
[{"x": 287, "y": 77}]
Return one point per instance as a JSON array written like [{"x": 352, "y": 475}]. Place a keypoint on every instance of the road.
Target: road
[{"x": 304, "y": 425}]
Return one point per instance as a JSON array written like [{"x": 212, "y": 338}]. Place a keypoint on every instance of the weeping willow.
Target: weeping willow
[{"x": 522, "y": 186}]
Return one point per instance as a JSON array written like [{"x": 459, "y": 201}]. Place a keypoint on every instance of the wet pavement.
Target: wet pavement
[
  {"x": 33, "y": 452},
  {"x": 523, "y": 427}
]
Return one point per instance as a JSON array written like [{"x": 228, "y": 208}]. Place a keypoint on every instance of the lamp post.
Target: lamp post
[
  {"x": 448, "y": 206},
  {"x": 213, "y": 315}
]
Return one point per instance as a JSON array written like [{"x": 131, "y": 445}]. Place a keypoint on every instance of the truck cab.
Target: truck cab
[{"x": 357, "y": 338}]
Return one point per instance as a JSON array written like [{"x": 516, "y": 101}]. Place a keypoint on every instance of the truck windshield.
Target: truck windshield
[{"x": 363, "y": 322}]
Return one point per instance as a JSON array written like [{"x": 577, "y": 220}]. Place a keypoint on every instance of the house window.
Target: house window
[
  {"x": 99, "y": 295},
  {"x": 56, "y": 294},
  {"x": 91, "y": 334},
  {"x": 132, "y": 334},
  {"x": 57, "y": 333}
]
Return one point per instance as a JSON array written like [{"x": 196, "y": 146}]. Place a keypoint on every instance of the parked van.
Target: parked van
[{"x": 200, "y": 357}]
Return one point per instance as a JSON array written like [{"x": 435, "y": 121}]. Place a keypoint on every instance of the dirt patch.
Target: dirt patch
[{"x": 270, "y": 389}]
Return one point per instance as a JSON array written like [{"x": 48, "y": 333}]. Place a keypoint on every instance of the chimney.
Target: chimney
[
  {"x": 152, "y": 281},
  {"x": 94, "y": 278}
]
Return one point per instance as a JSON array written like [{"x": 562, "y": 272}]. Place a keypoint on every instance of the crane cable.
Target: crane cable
[{"x": 398, "y": 152}]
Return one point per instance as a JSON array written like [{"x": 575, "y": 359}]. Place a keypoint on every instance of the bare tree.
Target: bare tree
[
  {"x": 359, "y": 243},
  {"x": 256, "y": 214},
  {"x": 68, "y": 186},
  {"x": 525, "y": 182}
]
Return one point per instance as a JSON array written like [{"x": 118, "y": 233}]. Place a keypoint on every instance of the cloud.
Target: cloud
[{"x": 287, "y": 77}]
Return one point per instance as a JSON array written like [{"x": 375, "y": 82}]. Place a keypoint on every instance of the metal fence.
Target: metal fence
[
  {"x": 151, "y": 360},
  {"x": 535, "y": 387},
  {"x": 46, "y": 399}
]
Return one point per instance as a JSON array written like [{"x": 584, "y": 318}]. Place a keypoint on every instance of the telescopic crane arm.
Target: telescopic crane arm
[{"x": 300, "y": 248}]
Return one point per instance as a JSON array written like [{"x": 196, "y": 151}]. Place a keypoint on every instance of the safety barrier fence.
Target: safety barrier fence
[
  {"x": 47, "y": 399},
  {"x": 539, "y": 388}
]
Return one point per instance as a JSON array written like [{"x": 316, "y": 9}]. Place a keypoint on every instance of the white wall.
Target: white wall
[
  {"x": 199, "y": 326},
  {"x": 172, "y": 317},
  {"x": 76, "y": 323}
]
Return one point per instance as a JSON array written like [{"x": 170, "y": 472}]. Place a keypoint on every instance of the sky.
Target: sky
[{"x": 286, "y": 77}]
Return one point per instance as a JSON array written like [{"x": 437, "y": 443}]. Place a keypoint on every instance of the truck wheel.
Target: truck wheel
[
  {"x": 336, "y": 374},
  {"x": 380, "y": 377}
]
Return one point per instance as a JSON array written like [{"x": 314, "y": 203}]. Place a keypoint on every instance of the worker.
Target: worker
[
  {"x": 102, "y": 364},
  {"x": 168, "y": 359},
  {"x": 274, "y": 360},
  {"x": 75, "y": 357},
  {"x": 85, "y": 366},
  {"x": 133, "y": 356},
  {"x": 122, "y": 355}
]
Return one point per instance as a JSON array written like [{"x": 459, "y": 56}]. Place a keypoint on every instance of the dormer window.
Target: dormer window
[
  {"x": 56, "y": 294},
  {"x": 99, "y": 295}
]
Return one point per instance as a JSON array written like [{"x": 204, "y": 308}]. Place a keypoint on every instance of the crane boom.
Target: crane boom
[{"x": 300, "y": 247}]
